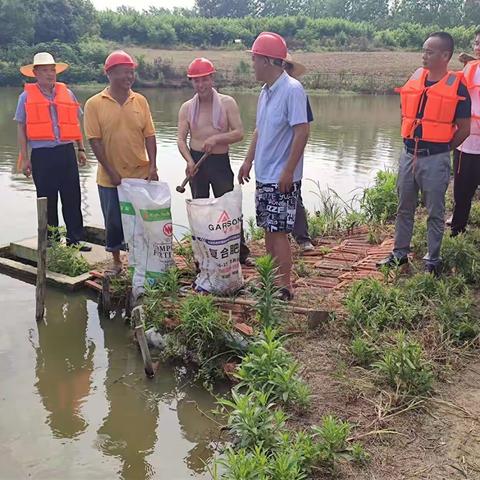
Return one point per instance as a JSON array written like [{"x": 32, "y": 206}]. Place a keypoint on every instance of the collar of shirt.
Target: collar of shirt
[
  {"x": 269, "y": 91},
  {"x": 106, "y": 94}
]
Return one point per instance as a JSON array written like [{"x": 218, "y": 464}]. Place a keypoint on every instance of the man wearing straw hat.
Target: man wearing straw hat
[
  {"x": 48, "y": 123},
  {"x": 300, "y": 227}
]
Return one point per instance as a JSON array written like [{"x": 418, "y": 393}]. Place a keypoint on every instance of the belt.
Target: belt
[{"x": 426, "y": 152}]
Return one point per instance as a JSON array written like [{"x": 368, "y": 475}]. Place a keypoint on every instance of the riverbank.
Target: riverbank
[
  {"x": 339, "y": 72},
  {"x": 361, "y": 72}
]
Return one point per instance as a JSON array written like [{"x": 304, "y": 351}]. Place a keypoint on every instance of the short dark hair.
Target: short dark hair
[
  {"x": 447, "y": 40},
  {"x": 477, "y": 32}
]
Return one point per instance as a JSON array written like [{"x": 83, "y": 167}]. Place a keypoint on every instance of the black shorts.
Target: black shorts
[{"x": 276, "y": 211}]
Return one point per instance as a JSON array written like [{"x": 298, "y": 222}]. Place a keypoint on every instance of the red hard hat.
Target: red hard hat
[
  {"x": 119, "y": 57},
  {"x": 200, "y": 67},
  {"x": 271, "y": 45}
]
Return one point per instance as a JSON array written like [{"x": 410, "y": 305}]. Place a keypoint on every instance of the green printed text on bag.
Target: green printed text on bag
[
  {"x": 158, "y": 215},
  {"x": 127, "y": 208}
]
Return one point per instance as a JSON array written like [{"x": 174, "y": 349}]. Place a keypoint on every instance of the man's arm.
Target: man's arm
[
  {"x": 23, "y": 147},
  {"x": 182, "y": 135},
  {"x": 244, "y": 172},
  {"x": 300, "y": 139},
  {"x": 462, "y": 117},
  {"x": 462, "y": 133},
  {"x": 151, "y": 146},
  {"x": 235, "y": 133},
  {"x": 98, "y": 149}
]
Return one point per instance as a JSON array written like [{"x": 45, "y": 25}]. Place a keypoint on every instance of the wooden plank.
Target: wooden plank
[{"x": 139, "y": 323}]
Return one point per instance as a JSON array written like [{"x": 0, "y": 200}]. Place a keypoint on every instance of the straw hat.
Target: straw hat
[
  {"x": 298, "y": 69},
  {"x": 42, "y": 58}
]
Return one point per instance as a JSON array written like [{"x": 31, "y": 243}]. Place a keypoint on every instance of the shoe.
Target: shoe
[
  {"x": 248, "y": 262},
  {"x": 392, "y": 261},
  {"x": 285, "y": 295},
  {"x": 82, "y": 247},
  {"x": 306, "y": 246},
  {"x": 434, "y": 270},
  {"x": 448, "y": 221}
]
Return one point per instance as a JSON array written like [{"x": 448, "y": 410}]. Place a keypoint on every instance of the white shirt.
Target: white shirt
[{"x": 472, "y": 143}]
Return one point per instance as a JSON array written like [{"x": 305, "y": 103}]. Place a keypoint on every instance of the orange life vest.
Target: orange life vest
[
  {"x": 469, "y": 72},
  {"x": 438, "y": 122},
  {"x": 39, "y": 120}
]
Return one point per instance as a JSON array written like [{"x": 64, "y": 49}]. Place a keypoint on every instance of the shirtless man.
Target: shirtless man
[{"x": 213, "y": 122}]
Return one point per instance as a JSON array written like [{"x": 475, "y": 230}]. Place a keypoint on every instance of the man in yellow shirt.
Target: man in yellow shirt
[{"x": 119, "y": 127}]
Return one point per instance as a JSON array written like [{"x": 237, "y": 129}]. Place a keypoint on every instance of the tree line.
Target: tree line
[{"x": 77, "y": 33}]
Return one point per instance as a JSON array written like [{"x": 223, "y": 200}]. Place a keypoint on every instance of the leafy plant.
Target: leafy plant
[
  {"x": 267, "y": 304},
  {"x": 405, "y": 368},
  {"x": 268, "y": 367},
  {"x": 62, "y": 258},
  {"x": 254, "y": 233},
  {"x": 461, "y": 256},
  {"x": 253, "y": 419},
  {"x": 332, "y": 437},
  {"x": 380, "y": 202},
  {"x": 363, "y": 352}
]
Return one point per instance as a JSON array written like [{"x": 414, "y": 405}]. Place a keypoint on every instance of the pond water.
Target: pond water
[{"x": 74, "y": 401}]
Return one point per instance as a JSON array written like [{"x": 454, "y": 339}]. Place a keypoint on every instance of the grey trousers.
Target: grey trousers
[{"x": 430, "y": 175}]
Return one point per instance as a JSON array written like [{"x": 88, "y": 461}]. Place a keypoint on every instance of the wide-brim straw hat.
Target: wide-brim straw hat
[
  {"x": 298, "y": 69},
  {"x": 42, "y": 58}
]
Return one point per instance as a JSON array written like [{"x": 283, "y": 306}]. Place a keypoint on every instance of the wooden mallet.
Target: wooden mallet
[{"x": 181, "y": 188}]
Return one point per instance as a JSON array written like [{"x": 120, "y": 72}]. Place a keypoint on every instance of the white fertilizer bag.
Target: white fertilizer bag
[
  {"x": 216, "y": 225},
  {"x": 149, "y": 233}
]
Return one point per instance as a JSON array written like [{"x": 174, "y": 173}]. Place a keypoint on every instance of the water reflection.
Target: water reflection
[
  {"x": 64, "y": 363},
  {"x": 128, "y": 432}
]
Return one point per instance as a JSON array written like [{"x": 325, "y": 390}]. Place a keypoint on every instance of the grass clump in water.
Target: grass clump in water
[{"x": 64, "y": 259}]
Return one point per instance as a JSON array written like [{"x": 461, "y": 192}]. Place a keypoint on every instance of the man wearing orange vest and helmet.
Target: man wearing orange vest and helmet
[
  {"x": 48, "y": 122},
  {"x": 276, "y": 150},
  {"x": 120, "y": 129},
  {"x": 435, "y": 108},
  {"x": 467, "y": 156},
  {"x": 213, "y": 122}
]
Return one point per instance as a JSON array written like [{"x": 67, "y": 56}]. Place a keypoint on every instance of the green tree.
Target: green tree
[
  {"x": 224, "y": 8},
  {"x": 447, "y": 13},
  {"x": 64, "y": 20},
  {"x": 17, "y": 21}
]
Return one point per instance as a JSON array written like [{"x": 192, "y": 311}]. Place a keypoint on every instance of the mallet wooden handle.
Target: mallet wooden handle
[{"x": 181, "y": 188}]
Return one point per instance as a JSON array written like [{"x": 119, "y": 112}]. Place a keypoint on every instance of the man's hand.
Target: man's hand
[
  {"x": 244, "y": 172},
  {"x": 81, "y": 158},
  {"x": 152, "y": 173},
  {"x": 115, "y": 178},
  {"x": 26, "y": 166},
  {"x": 191, "y": 169},
  {"x": 286, "y": 182},
  {"x": 209, "y": 144}
]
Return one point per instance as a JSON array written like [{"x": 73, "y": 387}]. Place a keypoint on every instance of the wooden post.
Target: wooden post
[
  {"x": 106, "y": 298},
  {"x": 138, "y": 322},
  {"x": 41, "y": 258}
]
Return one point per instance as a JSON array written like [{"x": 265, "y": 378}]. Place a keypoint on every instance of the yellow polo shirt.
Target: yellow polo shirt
[{"x": 122, "y": 129}]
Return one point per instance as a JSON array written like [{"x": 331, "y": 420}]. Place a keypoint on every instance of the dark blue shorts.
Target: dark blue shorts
[
  {"x": 276, "y": 211},
  {"x": 113, "y": 218}
]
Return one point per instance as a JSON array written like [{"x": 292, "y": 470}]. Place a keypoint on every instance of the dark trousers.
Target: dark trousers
[
  {"x": 217, "y": 173},
  {"x": 300, "y": 227},
  {"x": 55, "y": 171},
  {"x": 466, "y": 181}
]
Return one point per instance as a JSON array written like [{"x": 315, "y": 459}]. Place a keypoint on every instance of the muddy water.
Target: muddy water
[{"x": 74, "y": 402}]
